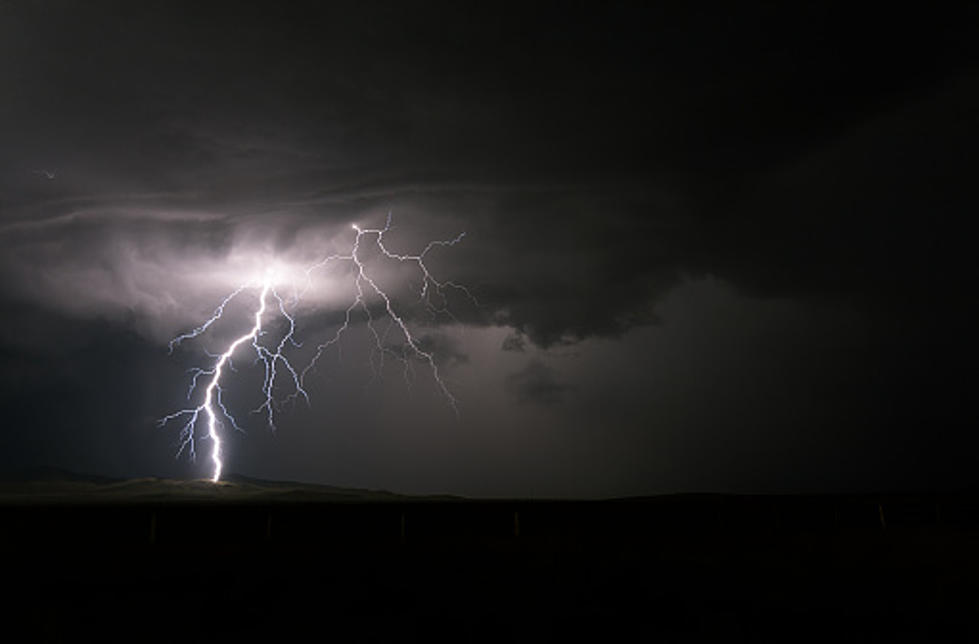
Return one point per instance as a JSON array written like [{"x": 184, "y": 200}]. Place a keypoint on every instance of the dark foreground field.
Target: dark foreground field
[{"x": 95, "y": 562}]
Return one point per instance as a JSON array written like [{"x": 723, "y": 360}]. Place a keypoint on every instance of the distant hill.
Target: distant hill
[{"x": 49, "y": 485}]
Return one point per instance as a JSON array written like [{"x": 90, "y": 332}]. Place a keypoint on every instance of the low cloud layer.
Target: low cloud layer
[{"x": 537, "y": 384}]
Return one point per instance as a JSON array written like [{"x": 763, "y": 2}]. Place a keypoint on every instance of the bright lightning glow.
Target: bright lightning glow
[{"x": 277, "y": 365}]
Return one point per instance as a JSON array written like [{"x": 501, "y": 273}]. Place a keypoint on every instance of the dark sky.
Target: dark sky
[{"x": 713, "y": 249}]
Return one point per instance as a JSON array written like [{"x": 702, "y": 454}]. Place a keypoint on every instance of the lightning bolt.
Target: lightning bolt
[{"x": 431, "y": 294}]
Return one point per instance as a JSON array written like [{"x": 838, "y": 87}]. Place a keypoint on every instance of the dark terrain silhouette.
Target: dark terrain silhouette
[{"x": 90, "y": 558}]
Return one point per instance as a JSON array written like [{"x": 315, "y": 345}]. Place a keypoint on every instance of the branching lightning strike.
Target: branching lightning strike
[{"x": 431, "y": 294}]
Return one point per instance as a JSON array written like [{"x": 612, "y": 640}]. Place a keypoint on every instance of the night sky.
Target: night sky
[{"x": 712, "y": 249}]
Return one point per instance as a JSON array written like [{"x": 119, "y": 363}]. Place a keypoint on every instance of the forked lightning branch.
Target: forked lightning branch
[{"x": 211, "y": 417}]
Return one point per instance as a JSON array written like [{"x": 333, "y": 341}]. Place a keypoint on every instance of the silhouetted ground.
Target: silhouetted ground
[{"x": 284, "y": 562}]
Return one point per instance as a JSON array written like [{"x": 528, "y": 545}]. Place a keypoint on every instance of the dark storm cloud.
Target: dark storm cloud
[
  {"x": 445, "y": 349},
  {"x": 867, "y": 215},
  {"x": 537, "y": 384},
  {"x": 514, "y": 342},
  {"x": 596, "y": 156}
]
